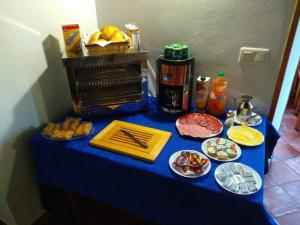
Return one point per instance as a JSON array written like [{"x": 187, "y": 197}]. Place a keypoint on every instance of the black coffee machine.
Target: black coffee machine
[{"x": 175, "y": 79}]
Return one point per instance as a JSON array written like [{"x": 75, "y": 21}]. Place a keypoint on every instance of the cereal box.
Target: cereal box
[{"x": 72, "y": 37}]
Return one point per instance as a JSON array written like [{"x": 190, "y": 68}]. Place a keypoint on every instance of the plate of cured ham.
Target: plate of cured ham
[{"x": 199, "y": 125}]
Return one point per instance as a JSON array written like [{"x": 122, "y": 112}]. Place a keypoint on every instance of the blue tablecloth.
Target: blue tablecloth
[{"x": 150, "y": 190}]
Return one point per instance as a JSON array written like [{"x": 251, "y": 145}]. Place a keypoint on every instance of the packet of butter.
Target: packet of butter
[{"x": 72, "y": 38}]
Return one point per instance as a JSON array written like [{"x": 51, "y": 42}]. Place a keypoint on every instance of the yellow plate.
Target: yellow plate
[
  {"x": 113, "y": 139},
  {"x": 245, "y": 135}
]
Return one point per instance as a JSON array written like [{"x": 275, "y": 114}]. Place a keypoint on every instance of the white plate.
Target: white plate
[
  {"x": 256, "y": 176},
  {"x": 238, "y": 149},
  {"x": 177, "y": 171},
  {"x": 256, "y": 120},
  {"x": 209, "y": 136}
]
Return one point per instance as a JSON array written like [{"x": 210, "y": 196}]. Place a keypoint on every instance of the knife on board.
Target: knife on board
[{"x": 130, "y": 135}]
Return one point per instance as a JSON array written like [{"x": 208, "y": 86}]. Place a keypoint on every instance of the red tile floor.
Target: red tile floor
[{"x": 282, "y": 183}]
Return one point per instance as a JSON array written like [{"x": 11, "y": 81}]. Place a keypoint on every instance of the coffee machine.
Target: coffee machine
[{"x": 175, "y": 79}]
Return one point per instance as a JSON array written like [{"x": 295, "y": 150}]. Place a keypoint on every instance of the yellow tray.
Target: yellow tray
[{"x": 113, "y": 139}]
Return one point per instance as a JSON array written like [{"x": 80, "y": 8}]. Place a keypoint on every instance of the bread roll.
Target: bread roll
[
  {"x": 67, "y": 134},
  {"x": 83, "y": 129},
  {"x": 86, "y": 128},
  {"x": 47, "y": 131},
  {"x": 63, "y": 135},
  {"x": 74, "y": 124},
  {"x": 78, "y": 131},
  {"x": 71, "y": 123}
]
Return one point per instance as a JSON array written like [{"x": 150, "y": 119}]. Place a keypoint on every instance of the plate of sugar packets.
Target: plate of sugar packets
[{"x": 238, "y": 178}]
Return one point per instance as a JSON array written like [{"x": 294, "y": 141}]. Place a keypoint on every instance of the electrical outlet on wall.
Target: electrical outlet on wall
[{"x": 250, "y": 55}]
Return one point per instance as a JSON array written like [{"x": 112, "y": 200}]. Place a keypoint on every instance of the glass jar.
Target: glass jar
[
  {"x": 202, "y": 91},
  {"x": 229, "y": 118}
]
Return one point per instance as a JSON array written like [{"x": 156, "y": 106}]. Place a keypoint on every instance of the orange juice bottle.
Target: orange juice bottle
[{"x": 217, "y": 97}]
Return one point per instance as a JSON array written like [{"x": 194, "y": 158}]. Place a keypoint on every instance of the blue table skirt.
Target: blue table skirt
[{"x": 150, "y": 190}]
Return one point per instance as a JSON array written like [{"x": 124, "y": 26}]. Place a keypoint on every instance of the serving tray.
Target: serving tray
[{"x": 114, "y": 139}]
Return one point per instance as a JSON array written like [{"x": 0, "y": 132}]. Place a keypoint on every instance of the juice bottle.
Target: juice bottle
[{"x": 217, "y": 97}]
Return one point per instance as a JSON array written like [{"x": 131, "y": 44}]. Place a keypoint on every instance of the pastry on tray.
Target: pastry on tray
[
  {"x": 51, "y": 129},
  {"x": 71, "y": 128},
  {"x": 63, "y": 135},
  {"x": 83, "y": 129},
  {"x": 71, "y": 123}
]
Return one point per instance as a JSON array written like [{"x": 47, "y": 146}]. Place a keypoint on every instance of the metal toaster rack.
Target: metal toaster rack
[{"x": 98, "y": 82}]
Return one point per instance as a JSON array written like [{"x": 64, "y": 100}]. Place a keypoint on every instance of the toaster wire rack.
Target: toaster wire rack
[{"x": 99, "y": 82}]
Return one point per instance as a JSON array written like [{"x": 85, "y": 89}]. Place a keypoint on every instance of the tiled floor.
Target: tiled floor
[{"x": 282, "y": 183}]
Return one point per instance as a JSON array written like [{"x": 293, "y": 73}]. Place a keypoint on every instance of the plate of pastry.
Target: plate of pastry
[
  {"x": 72, "y": 128},
  {"x": 189, "y": 163},
  {"x": 221, "y": 149}
]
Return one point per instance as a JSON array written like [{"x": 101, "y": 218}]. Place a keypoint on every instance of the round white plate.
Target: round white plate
[
  {"x": 238, "y": 150},
  {"x": 208, "y": 136},
  {"x": 256, "y": 176},
  {"x": 178, "y": 171},
  {"x": 253, "y": 121}
]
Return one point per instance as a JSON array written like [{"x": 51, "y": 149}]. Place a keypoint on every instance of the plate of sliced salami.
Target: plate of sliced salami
[{"x": 199, "y": 125}]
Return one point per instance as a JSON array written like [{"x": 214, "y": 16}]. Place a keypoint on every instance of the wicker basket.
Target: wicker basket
[{"x": 114, "y": 47}]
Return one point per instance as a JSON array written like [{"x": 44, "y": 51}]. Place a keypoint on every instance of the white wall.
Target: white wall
[
  {"x": 33, "y": 90},
  {"x": 215, "y": 30},
  {"x": 288, "y": 79}
]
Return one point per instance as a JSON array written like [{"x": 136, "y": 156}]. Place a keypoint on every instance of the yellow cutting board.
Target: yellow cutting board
[{"x": 113, "y": 139}]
